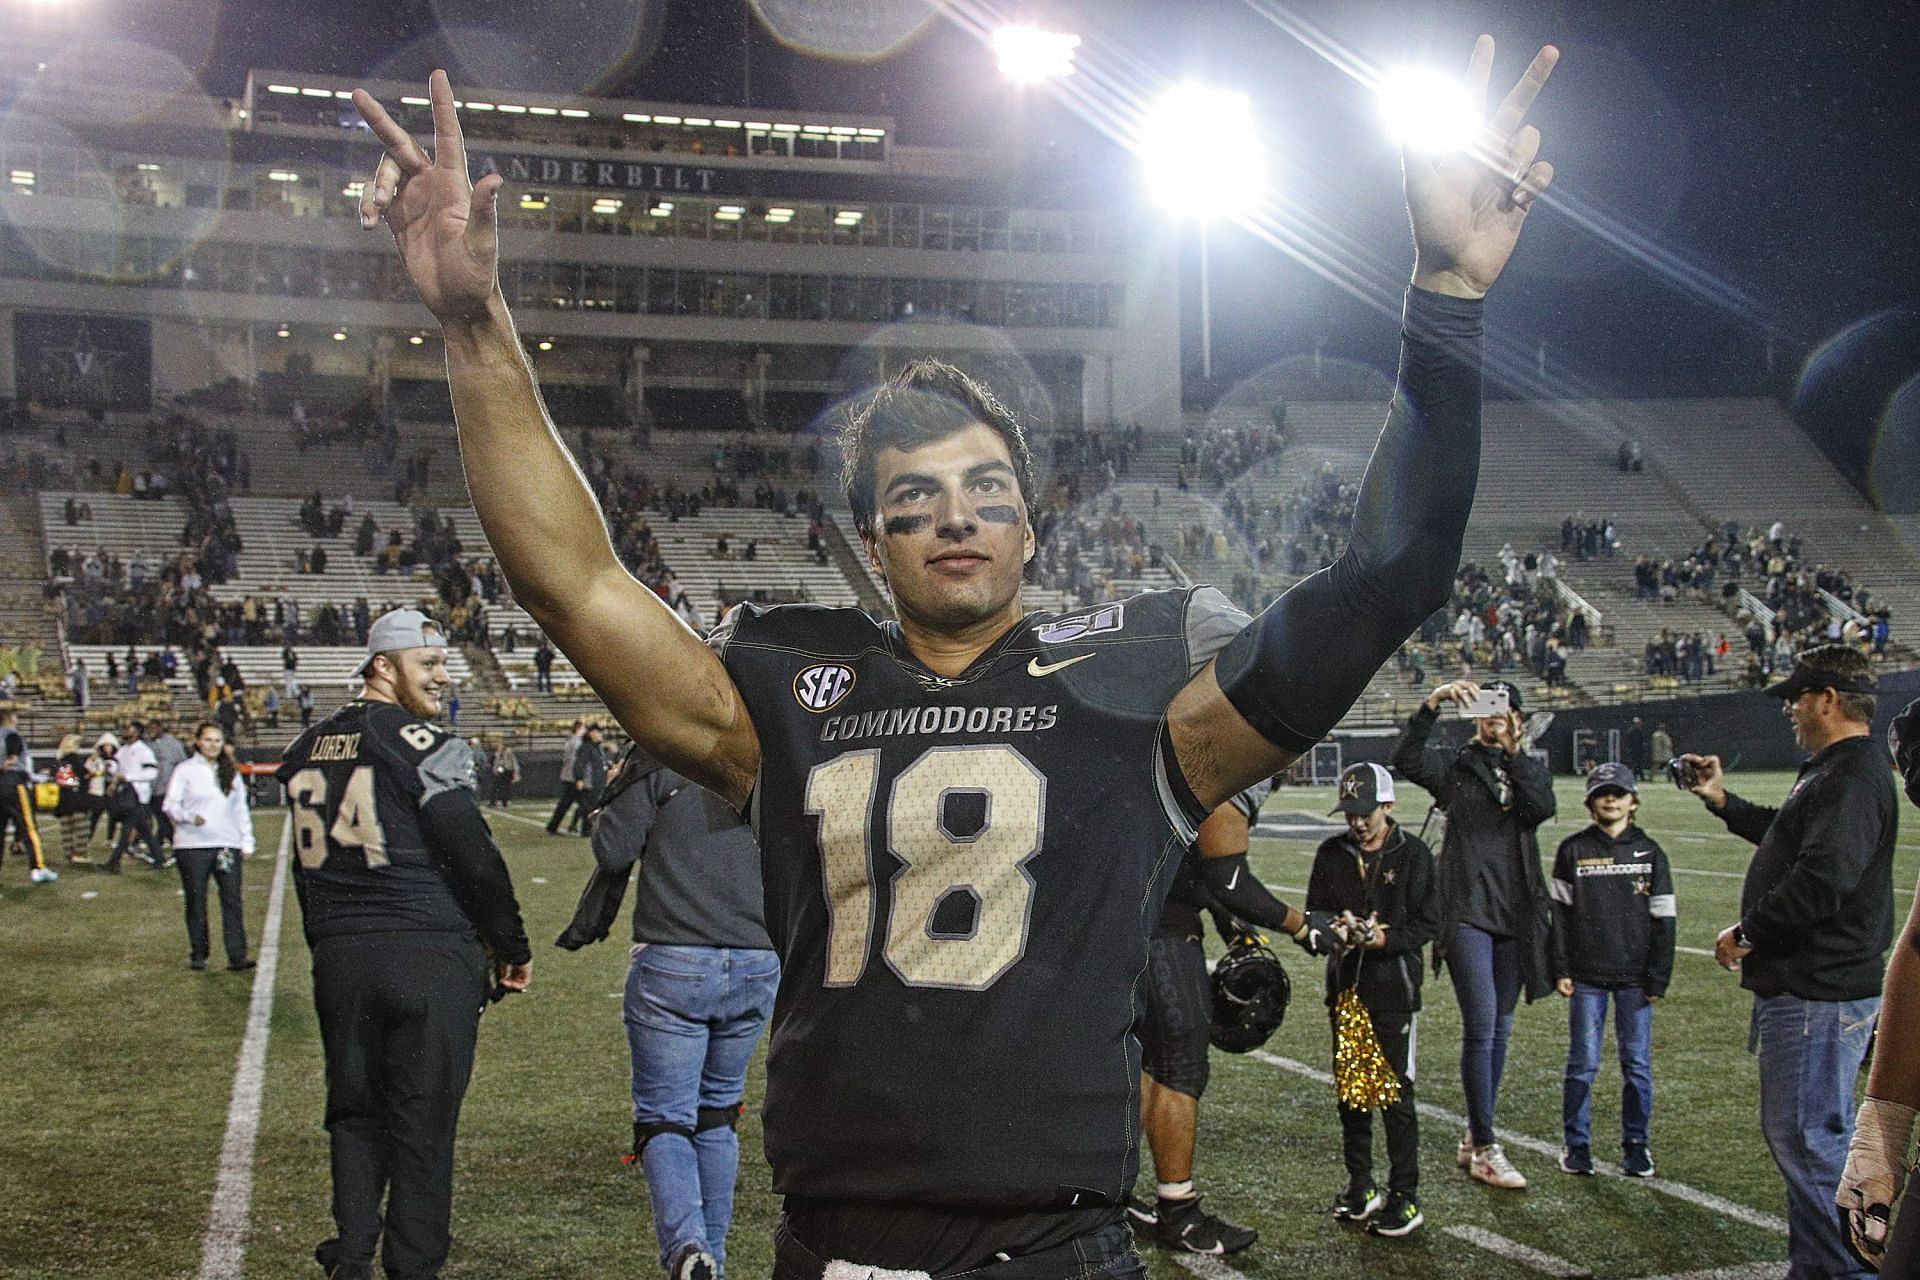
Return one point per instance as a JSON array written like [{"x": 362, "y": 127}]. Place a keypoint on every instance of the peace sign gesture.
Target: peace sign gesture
[
  {"x": 444, "y": 225},
  {"x": 1467, "y": 206}
]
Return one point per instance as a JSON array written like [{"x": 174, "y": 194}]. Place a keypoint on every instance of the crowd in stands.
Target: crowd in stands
[
  {"x": 1588, "y": 539},
  {"x": 1229, "y": 451},
  {"x": 1501, "y": 619},
  {"x": 1771, "y": 565}
]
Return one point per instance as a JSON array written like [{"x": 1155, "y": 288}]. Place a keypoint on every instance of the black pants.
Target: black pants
[
  {"x": 1397, "y": 1035},
  {"x": 399, "y": 1016},
  {"x": 567, "y": 797},
  {"x": 16, "y": 818},
  {"x": 224, "y": 866},
  {"x": 136, "y": 821}
]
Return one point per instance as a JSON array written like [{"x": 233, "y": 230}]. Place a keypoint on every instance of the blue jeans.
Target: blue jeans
[
  {"x": 1810, "y": 1053},
  {"x": 1486, "y": 982},
  {"x": 1633, "y": 1038},
  {"x": 694, "y": 1015}
]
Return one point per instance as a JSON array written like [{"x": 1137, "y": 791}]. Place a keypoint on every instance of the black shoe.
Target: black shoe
[
  {"x": 692, "y": 1261},
  {"x": 1185, "y": 1225},
  {"x": 111, "y": 868},
  {"x": 1142, "y": 1215},
  {"x": 1637, "y": 1161},
  {"x": 1400, "y": 1217},
  {"x": 1360, "y": 1201},
  {"x": 241, "y": 966},
  {"x": 197, "y": 964},
  {"x": 1576, "y": 1160},
  {"x": 328, "y": 1256}
]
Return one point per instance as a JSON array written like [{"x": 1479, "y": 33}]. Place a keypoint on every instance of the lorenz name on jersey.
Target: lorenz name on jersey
[
  {"x": 908, "y": 721},
  {"x": 334, "y": 746}
]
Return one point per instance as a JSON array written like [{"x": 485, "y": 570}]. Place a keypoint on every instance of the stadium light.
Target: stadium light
[
  {"x": 339, "y": 335},
  {"x": 1027, "y": 54},
  {"x": 1201, "y": 158},
  {"x": 1427, "y": 110},
  {"x": 1200, "y": 153},
  {"x": 416, "y": 340}
]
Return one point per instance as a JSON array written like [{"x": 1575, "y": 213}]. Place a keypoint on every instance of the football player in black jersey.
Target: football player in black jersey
[
  {"x": 968, "y": 817},
  {"x": 412, "y": 919}
]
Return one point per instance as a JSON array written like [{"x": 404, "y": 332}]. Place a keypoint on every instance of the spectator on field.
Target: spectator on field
[
  {"x": 1382, "y": 875},
  {"x": 1878, "y": 1161},
  {"x": 589, "y": 779},
  {"x": 506, "y": 772},
  {"x": 1495, "y": 915},
  {"x": 168, "y": 754},
  {"x": 305, "y": 702},
  {"x": 569, "y": 794},
  {"x": 206, "y": 800},
  {"x": 70, "y": 775},
  {"x": 1816, "y": 915},
  {"x": 102, "y": 775},
  {"x": 1662, "y": 743},
  {"x": 133, "y": 798},
  {"x": 700, "y": 987},
  {"x": 1636, "y": 749},
  {"x": 1613, "y": 910}
]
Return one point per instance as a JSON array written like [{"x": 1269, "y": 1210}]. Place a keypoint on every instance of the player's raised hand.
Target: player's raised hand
[
  {"x": 1467, "y": 206},
  {"x": 444, "y": 224}
]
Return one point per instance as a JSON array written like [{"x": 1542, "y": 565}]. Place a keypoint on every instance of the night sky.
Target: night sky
[{"x": 1731, "y": 169}]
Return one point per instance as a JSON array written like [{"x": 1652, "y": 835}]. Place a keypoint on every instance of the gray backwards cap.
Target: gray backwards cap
[{"x": 400, "y": 629}]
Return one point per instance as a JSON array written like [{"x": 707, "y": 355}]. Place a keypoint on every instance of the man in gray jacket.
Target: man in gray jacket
[
  {"x": 567, "y": 794},
  {"x": 699, "y": 991}
]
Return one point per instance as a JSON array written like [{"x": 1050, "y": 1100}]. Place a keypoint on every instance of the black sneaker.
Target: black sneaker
[
  {"x": 1142, "y": 1215},
  {"x": 1401, "y": 1216},
  {"x": 1185, "y": 1225},
  {"x": 1577, "y": 1160},
  {"x": 242, "y": 966},
  {"x": 1637, "y": 1161},
  {"x": 1358, "y": 1202}
]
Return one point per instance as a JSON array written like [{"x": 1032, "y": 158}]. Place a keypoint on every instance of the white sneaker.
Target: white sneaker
[
  {"x": 1464, "y": 1156},
  {"x": 44, "y": 875},
  {"x": 1491, "y": 1166}
]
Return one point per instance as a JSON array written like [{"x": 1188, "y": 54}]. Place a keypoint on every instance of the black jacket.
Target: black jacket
[
  {"x": 1613, "y": 910},
  {"x": 1817, "y": 904},
  {"x": 590, "y": 766},
  {"x": 1486, "y": 836},
  {"x": 1397, "y": 885}
]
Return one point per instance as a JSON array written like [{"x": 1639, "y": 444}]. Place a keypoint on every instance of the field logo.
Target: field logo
[
  {"x": 1107, "y": 618},
  {"x": 821, "y": 688}
]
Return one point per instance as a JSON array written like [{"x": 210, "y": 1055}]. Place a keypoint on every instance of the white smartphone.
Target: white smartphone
[{"x": 1487, "y": 702}]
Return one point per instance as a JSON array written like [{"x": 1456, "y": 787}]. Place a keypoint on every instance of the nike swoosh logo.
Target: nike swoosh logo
[
  {"x": 1037, "y": 668},
  {"x": 1643, "y": 853},
  {"x": 1233, "y": 879}
]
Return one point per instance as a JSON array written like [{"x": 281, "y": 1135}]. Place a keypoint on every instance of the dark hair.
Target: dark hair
[
  {"x": 228, "y": 766},
  {"x": 1845, "y": 665},
  {"x": 924, "y": 401}
]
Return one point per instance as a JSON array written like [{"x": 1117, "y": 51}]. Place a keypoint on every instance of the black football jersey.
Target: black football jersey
[
  {"x": 961, "y": 875},
  {"x": 356, "y": 783}
]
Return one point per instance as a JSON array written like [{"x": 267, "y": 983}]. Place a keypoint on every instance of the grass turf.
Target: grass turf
[{"x": 116, "y": 1068}]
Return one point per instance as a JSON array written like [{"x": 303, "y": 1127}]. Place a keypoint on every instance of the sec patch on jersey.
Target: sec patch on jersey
[{"x": 821, "y": 687}]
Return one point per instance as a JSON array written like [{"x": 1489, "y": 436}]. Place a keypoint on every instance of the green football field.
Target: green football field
[{"x": 118, "y": 1070}]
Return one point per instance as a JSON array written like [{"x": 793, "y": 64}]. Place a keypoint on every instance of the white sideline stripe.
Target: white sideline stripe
[
  {"x": 1206, "y": 1267},
  {"x": 1695, "y": 951},
  {"x": 224, "y": 1247},
  {"x": 1514, "y": 1251},
  {"x": 1666, "y": 1186},
  {"x": 1738, "y": 1271}
]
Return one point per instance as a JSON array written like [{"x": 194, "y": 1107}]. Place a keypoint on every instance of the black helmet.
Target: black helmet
[{"x": 1250, "y": 995}]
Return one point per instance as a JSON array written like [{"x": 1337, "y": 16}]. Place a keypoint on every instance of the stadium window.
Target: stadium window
[
  {"x": 994, "y": 229},
  {"x": 660, "y": 291},
  {"x": 906, "y": 226}
]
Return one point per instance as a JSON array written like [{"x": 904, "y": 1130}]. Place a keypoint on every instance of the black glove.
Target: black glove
[{"x": 1317, "y": 936}]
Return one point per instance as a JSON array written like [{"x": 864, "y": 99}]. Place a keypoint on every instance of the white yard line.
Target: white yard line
[
  {"x": 1207, "y": 1267},
  {"x": 1513, "y": 1251},
  {"x": 1666, "y": 1186},
  {"x": 224, "y": 1247}
]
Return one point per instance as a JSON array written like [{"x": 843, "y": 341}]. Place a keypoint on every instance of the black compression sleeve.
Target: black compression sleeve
[
  {"x": 477, "y": 873},
  {"x": 1296, "y": 669},
  {"x": 1234, "y": 886}
]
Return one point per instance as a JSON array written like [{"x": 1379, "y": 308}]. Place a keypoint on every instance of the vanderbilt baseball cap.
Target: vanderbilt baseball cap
[
  {"x": 400, "y": 629},
  {"x": 1612, "y": 777},
  {"x": 1363, "y": 788}
]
